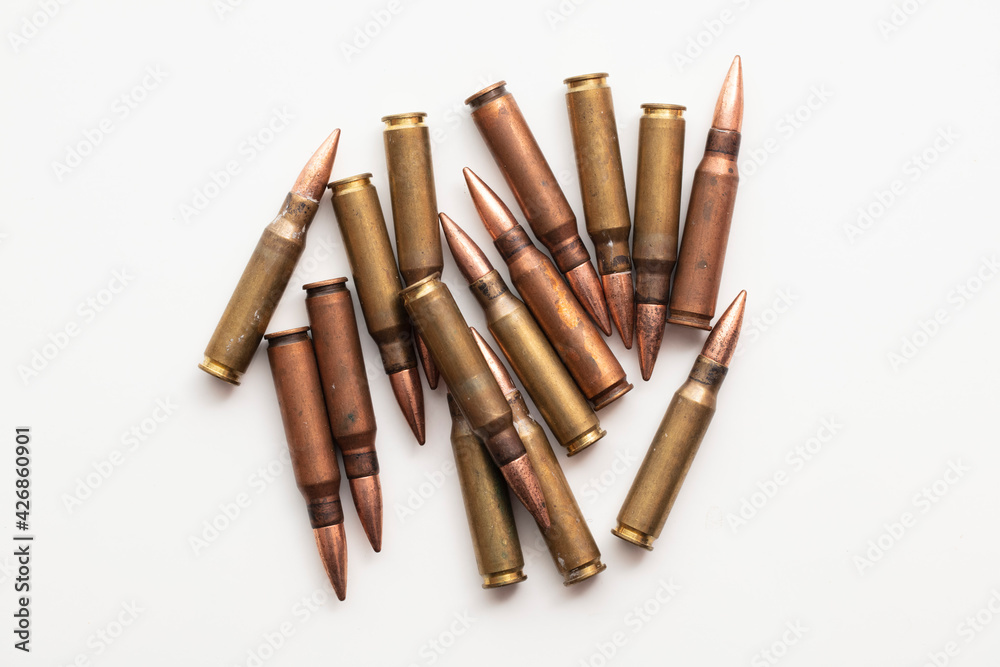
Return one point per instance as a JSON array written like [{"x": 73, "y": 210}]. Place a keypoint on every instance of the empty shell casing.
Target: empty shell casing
[
  {"x": 602, "y": 188},
  {"x": 256, "y": 296},
  {"x": 487, "y": 506},
  {"x": 414, "y": 205}
]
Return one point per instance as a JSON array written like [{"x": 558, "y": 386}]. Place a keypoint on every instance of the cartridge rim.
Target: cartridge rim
[
  {"x": 633, "y": 536},
  {"x": 658, "y": 105},
  {"x": 340, "y": 185},
  {"x": 580, "y": 78},
  {"x": 474, "y": 101},
  {"x": 398, "y": 119},
  {"x": 273, "y": 337},
  {"x": 584, "y": 440},
  {"x": 612, "y": 394},
  {"x": 324, "y": 283},
  {"x": 498, "y": 579},
  {"x": 585, "y": 571},
  {"x": 221, "y": 371}
]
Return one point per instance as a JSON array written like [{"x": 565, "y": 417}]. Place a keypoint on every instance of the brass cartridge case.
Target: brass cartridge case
[
  {"x": 348, "y": 399},
  {"x": 487, "y": 506},
  {"x": 256, "y": 296},
  {"x": 520, "y": 159},
  {"x": 657, "y": 201},
  {"x": 706, "y": 232},
  {"x": 674, "y": 446},
  {"x": 373, "y": 266},
  {"x": 569, "y": 539},
  {"x": 439, "y": 320},
  {"x": 545, "y": 378},
  {"x": 602, "y": 188},
  {"x": 575, "y": 338},
  {"x": 414, "y": 205}
]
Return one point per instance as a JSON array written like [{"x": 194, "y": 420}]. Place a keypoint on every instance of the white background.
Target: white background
[{"x": 878, "y": 100}]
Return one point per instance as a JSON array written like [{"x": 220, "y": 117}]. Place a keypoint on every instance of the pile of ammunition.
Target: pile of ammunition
[{"x": 552, "y": 339}]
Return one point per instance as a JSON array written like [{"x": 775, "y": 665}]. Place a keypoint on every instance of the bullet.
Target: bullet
[
  {"x": 710, "y": 212},
  {"x": 438, "y": 319},
  {"x": 414, "y": 206},
  {"x": 487, "y": 506},
  {"x": 310, "y": 443},
  {"x": 575, "y": 338},
  {"x": 348, "y": 400},
  {"x": 266, "y": 275},
  {"x": 537, "y": 191},
  {"x": 602, "y": 187},
  {"x": 568, "y": 538},
  {"x": 657, "y": 223},
  {"x": 548, "y": 383},
  {"x": 373, "y": 267},
  {"x": 680, "y": 434}
]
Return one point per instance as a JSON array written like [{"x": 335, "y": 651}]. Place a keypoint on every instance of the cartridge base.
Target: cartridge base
[
  {"x": 695, "y": 320},
  {"x": 636, "y": 537},
  {"x": 586, "y": 571},
  {"x": 611, "y": 394},
  {"x": 221, "y": 371},
  {"x": 584, "y": 440},
  {"x": 505, "y": 578}
]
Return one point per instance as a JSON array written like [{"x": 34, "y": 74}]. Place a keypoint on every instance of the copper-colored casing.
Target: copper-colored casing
[
  {"x": 599, "y": 165},
  {"x": 670, "y": 455},
  {"x": 706, "y": 232},
  {"x": 307, "y": 429},
  {"x": 342, "y": 370},
  {"x": 657, "y": 201},
  {"x": 256, "y": 296},
  {"x": 569, "y": 539},
  {"x": 487, "y": 506},
  {"x": 536, "y": 363},
  {"x": 573, "y": 335},
  {"x": 528, "y": 175},
  {"x": 440, "y": 322},
  {"x": 373, "y": 267}
]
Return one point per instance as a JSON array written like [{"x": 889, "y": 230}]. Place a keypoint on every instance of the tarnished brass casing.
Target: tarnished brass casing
[
  {"x": 373, "y": 267},
  {"x": 517, "y": 154},
  {"x": 657, "y": 201},
  {"x": 573, "y": 335},
  {"x": 342, "y": 370},
  {"x": 487, "y": 506},
  {"x": 438, "y": 319},
  {"x": 706, "y": 232},
  {"x": 307, "y": 429},
  {"x": 545, "y": 378},
  {"x": 670, "y": 455},
  {"x": 256, "y": 296}
]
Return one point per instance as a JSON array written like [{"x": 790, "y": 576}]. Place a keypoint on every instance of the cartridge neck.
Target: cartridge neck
[
  {"x": 726, "y": 142},
  {"x": 708, "y": 372},
  {"x": 325, "y": 512},
  {"x": 296, "y": 214},
  {"x": 488, "y": 288},
  {"x": 512, "y": 242}
]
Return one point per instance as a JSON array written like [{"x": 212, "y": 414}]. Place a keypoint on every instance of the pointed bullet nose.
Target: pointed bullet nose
[
  {"x": 495, "y": 215},
  {"x": 367, "y": 494},
  {"x": 332, "y": 544},
  {"x": 523, "y": 481},
  {"x": 620, "y": 296},
  {"x": 410, "y": 396},
  {"x": 721, "y": 343},
  {"x": 587, "y": 288},
  {"x": 427, "y": 361},
  {"x": 729, "y": 107},
  {"x": 316, "y": 174},
  {"x": 650, "y": 319},
  {"x": 499, "y": 371},
  {"x": 471, "y": 261}
]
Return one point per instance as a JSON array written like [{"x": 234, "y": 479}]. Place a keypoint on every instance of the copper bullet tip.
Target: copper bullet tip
[
  {"x": 471, "y": 260},
  {"x": 332, "y": 544},
  {"x": 316, "y": 174},
  {"x": 523, "y": 482},
  {"x": 410, "y": 396},
  {"x": 367, "y": 494},
  {"x": 650, "y": 319},
  {"x": 721, "y": 344},
  {"x": 494, "y": 213},
  {"x": 585, "y": 284},
  {"x": 427, "y": 361},
  {"x": 620, "y": 296},
  {"x": 499, "y": 371},
  {"x": 729, "y": 108}
]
